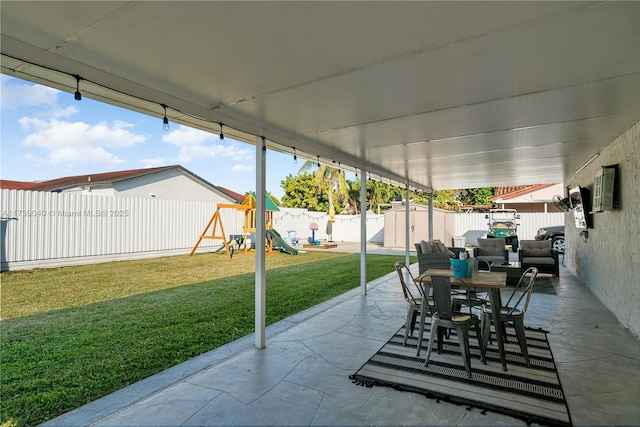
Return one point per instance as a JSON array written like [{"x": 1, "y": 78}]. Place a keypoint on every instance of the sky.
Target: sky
[{"x": 47, "y": 134}]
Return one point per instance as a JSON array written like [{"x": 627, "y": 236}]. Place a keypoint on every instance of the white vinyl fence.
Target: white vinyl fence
[
  {"x": 41, "y": 229},
  {"x": 346, "y": 228},
  {"x": 528, "y": 224}
]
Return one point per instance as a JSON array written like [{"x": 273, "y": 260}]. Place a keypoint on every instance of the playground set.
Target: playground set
[{"x": 273, "y": 239}]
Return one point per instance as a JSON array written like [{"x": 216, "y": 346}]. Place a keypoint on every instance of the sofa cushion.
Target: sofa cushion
[
  {"x": 433, "y": 246},
  {"x": 537, "y": 252},
  {"x": 441, "y": 248},
  {"x": 532, "y": 260},
  {"x": 491, "y": 247},
  {"x": 536, "y": 248}
]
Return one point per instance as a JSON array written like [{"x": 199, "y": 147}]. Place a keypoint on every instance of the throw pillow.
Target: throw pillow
[{"x": 441, "y": 247}]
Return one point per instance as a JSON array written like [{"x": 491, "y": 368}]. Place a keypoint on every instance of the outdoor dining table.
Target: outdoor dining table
[{"x": 479, "y": 281}]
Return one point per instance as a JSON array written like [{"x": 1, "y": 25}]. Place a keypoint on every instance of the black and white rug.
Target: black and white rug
[{"x": 532, "y": 394}]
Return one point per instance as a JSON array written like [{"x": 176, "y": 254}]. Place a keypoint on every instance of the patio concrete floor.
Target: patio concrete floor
[{"x": 301, "y": 378}]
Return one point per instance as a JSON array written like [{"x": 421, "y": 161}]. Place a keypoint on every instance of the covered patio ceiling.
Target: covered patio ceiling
[{"x": 439, "y": 95}]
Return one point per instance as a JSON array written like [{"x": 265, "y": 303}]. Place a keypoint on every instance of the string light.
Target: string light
[
  {"x": 77, "y": 95},
  {"x": 295, "y": 155},
  {"x": 165, "y": 120}
]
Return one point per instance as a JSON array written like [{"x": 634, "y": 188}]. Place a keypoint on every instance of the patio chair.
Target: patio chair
[
  {"x": 490, "y": 250},
  {"x": 434, "y": 254},
  {"x": 513, "y": 311},
  {"x": 539, "y": 254},
  {"x": 444, "y": 317},
  {"x": 413, "y": 296}
]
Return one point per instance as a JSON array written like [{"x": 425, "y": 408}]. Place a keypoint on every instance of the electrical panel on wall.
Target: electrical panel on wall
[{"x": 603, "y": 189}]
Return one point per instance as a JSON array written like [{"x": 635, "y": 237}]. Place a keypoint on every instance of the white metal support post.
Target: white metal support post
[
  {"x": 431, "y": 216},
  {"x": 407, "y": 205},
  {"x": 363, "y": 232},
  {"x": 260, "y": 286}
]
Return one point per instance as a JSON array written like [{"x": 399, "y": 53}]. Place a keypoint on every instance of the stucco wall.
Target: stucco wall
[
  {"x": 608, "y": 260},
  {"x": 170, "y": 185}
]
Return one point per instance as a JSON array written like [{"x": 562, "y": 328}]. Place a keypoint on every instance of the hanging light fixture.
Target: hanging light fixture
[
  {"x": 318, "y": 161},
  {"x": 165, "y": 120},
  {"x": 77, "y": 95},
  {"x": 221, "y": 134},
  {"x": 295, "y": 155}
]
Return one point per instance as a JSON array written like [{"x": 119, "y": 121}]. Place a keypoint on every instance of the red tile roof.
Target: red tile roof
[
  {"x": 72, "y": 181},
  {"x": 516, "y": 190},
  {"x": 107, "y": 177},
  {"x": 239, "y": 198},
  {"x": 16, "y": 185}
]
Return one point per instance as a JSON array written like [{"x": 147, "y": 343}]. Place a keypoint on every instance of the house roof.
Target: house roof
[
  {"x": 107, "y": 178},
  {"x": 8, "y": 184},
  {"x": 239, "y": 198},
  {"x": 505, "y": 193},
  {"x": 95, "y": 178}
]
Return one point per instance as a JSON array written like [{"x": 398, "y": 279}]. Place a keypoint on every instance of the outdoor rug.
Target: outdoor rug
[
  {"x": 532, "y": 394},
  {"x": 544, "y": 285}
]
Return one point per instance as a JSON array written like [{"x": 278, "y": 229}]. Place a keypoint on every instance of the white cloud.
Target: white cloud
[
  {"x": 67, "y": 142},
  {"x": 187, "y": 136},
  {"x": 157, "y": 161},
  {"x": 15, "y": 94},
  {"x": 195, "y": 144},
  {"x": 243, "y": 167}
]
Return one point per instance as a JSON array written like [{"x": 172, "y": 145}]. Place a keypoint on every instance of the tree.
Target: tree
[
  {"x": 454, "y": 199},
  {"x": 334, "y": 179},
  {"x": 311, "y": 191},
  {"x": 446, "y": 199},
  {"x": 476, "y": 196},
  {"x": 300, "y": 191}
]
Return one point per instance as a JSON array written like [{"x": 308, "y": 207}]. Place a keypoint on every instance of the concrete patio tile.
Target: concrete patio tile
[
  {"x": 171, "y": 406},
  {"x": 224, "y": 410},
  {"x": 289, "y": 404},
  {"x": 252, "y": 373},
  {"x": 318, "y": 374},
  {"x": 596, "y": 409}
]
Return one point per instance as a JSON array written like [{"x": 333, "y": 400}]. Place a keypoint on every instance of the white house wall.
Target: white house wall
[
  {"x": 169, "y": 184},
  {"x": 607, "y": 260}
]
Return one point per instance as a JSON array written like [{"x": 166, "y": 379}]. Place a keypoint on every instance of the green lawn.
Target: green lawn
[{"x": 71, "y": 335}]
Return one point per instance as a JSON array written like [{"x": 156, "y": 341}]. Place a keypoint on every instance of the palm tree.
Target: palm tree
[{"x": 334, "y": 178}]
